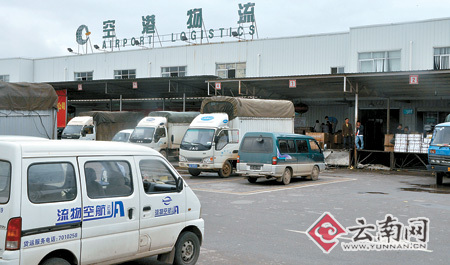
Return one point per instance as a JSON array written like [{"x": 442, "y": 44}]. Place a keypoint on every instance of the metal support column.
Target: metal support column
[
  {"x": 164, "y": 103},
  {"x": 110, "y": 104},
  {"x": 356, "y": 120},
  {"x": 120, "y": 103},
  {"x": 184, "y": 102},
  {"x": 388, "y": 118}
]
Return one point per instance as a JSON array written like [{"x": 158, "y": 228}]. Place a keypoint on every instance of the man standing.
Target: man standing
[
  {"x": 359, "y": 136},
  {"x": 333, "y": 122},
  {"x": 347, "y": 133}
]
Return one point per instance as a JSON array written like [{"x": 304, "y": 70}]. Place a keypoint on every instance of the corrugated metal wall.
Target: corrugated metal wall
[{"x": 41, "y": 123}]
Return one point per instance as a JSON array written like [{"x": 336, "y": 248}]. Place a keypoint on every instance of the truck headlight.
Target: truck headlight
[
  {"x": 433, "y": 161},
  {"x": 182, "y": 159},
  {"x": 208, "y": 160}
]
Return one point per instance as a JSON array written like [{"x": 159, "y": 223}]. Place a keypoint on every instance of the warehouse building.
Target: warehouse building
[{"x": 385, "y": 74}]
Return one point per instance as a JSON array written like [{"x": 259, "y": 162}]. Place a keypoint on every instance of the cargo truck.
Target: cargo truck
[
  {"x": 211, "y": 143},
  {"x": 100, "y": 125},
  {"x": 163, "y": 131},
  {"x": 439, "y": 151}
]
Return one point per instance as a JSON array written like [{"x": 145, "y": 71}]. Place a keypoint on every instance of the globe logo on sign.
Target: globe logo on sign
[
  {"x": 150, "y": 119},
  {"x": 207, "y": 118},
  {"x": 225, "y": 121},
  {"x": 167, "y": 200}
]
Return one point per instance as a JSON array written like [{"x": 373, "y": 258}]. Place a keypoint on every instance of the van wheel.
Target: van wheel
[
  {"x": 439, "y": 178},
  {"x": 163, "y": 153},
  {"x": 226, "y": 170},
  {"x": 187, "y": 249},
  {"x": 56, "y": 261},
  {"x": 194, "y": 172},
  {"x": 314, "y": 173},
  {"x": 287, "y": 175},
  {"x": 252, "y": 180}
]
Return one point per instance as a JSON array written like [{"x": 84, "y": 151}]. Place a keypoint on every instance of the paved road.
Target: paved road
[{"x": 266, "y": 222}]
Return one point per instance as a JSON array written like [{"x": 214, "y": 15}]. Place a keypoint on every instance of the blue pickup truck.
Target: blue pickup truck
[{"x": 439, "y": 151}]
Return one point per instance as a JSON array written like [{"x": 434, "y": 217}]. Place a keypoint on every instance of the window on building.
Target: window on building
[
  {"x": 387, "y": 61},
  {"x": 337, "y": 70},
  {"x": 441, "y": 58},
  {"x": 4, "y": 78},
  {"x": 230, "y": 70},
  {"x": 125, "y": 74},
  {"x": 174, "y": 71},
  {"x": 83, "y": 76}
]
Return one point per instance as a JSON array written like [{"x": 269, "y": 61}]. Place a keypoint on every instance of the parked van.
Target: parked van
[
  {"x": 123, "y": 136},
  {"x": 80, "y": 202},
  {"x": 280, "y": 156}
]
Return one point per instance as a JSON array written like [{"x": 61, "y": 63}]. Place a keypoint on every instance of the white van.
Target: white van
[{"x": 71, "y": 202}]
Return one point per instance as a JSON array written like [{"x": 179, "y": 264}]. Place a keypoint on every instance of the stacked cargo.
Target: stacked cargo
[
  {"x": 401, "y": 143},
  {"x": 388, "y": 143},
  {"x": 322, "y": 138},
  {"x": 414, "y": 143},
  {"x": 426, "y": 144}
]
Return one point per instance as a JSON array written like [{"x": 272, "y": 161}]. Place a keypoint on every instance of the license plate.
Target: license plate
[
  {"x": 255, "y": 167},
  {"x": 193, "y": 165}
]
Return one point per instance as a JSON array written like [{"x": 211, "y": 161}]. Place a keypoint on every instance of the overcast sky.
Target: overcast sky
[{"x": 35, "y": 29}]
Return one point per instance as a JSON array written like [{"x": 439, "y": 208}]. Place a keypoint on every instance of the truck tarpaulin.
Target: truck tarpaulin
[
  {"x": 175, "y": 117},
  {"x": 109, "y": 122},
  {"x": 244, "y": 107},
  {"x": 27, "y": 96}
]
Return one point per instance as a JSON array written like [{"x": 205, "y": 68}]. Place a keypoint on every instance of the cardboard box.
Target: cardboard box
[
  {"x": 387, "y": 139},
  {"x": 337, "y": 138},
  {"x": 320, "y": 137},
  {"x": 389, "y": 148}
]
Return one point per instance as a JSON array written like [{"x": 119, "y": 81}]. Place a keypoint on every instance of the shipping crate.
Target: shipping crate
[
  {"x": 337, "y": 138},
  {"x": 320, "y": 137}
]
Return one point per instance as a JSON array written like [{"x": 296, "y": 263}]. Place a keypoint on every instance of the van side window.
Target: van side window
[
  {"x": 105, "y": 179},
  {"x": 51, "y": 182},
  {"x": 302, "y": 146},
  {"x": 286, "y": 146},
  {"x": 5, "y": 181},
  {"x": 157, "y": 178},
  {"x": 314, "y": 146}
]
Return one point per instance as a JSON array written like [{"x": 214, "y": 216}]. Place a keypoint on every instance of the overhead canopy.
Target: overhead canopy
[
  {"x": 174, "y": 116},
  {"x": 27, "y": 96},
  {"x": 245, "y": 107},
  {"x": 113, "y": 116}
]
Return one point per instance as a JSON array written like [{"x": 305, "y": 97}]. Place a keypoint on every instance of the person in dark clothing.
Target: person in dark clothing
[
  {"x": 347, "y": 133},
  {"x": 359, "y": 136},
  {"x": 399, "y": 129}
]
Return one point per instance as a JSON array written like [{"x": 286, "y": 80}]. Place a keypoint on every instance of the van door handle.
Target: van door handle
[
  {"x": 130, "y": 213},
  {"x": 147, "y": 208}
]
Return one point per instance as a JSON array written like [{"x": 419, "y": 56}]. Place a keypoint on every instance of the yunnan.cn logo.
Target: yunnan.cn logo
[{"x": 325, "y": 232}]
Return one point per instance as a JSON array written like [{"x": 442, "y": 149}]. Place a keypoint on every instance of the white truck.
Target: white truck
[
  {"x": 212, "y": 141},
  {"x": 100, "y": 125},
  {"x": 163, "y": 131}
]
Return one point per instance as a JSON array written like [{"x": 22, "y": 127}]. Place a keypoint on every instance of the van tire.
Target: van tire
[
  {"x": 439, "y": 178},
  {"x": 252, "y": 180},
  {"x": 194, "y": 172},
  {"x": 314, "y": 173},
  {"x": 56, "y": 261},
  {"x": 187, "y": 249},
  {"x": 287, "y": 175},
  {"x": 226, "y": 170}
]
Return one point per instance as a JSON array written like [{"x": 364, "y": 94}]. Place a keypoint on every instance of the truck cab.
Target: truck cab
[
  {"x": 151, "y": 132},
  {"x": 81, "y": 128},
  {"x": 210, "y": 145},
  {"x": 439, "y": 152}
]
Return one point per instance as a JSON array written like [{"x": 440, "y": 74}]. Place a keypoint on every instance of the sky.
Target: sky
[{"x": 37, "y": 29}]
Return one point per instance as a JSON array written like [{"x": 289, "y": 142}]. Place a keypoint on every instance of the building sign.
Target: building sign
[
  {"x": 218, "y": 86},
  {"x": 196, "y": 30},
  {"x": 61, "y": 116},
  {"x": 80, "y": 87},
  {"x": 413, "y": 79},
  {"x": 292, "y": 83},
  {"x": 135, "y": 85},
  {"x": 408, "y": 111}
]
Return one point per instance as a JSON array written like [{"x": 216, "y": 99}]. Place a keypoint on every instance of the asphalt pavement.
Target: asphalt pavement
[{"x": 267, "y": 222}]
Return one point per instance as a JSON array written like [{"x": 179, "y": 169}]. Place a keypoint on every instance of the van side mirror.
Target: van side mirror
[
  {"x": 171, "y": 138},
  {"x": 216, "y": 139},
  {"x": 180, "y": 184}
]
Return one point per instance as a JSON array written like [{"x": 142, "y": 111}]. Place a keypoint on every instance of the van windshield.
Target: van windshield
[
  {"x": 142, "y": 135},
  {"x": 5, "y": 180},
  {"x": 72, "y": 129},
  {"x": 441, "y": 136},
  {"x": 197, "y": 139},
  {"x": 257, "y": 145}
]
